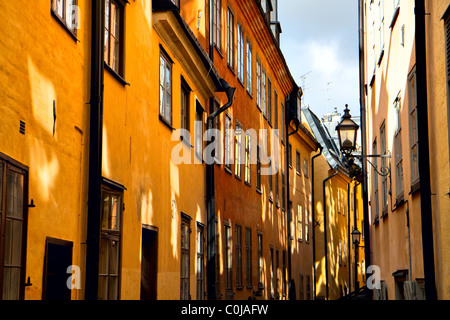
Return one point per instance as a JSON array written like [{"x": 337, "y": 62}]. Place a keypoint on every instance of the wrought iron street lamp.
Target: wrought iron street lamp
[
  {"x": 347, "y": 131},
  {"x": 356, "y": 239}
]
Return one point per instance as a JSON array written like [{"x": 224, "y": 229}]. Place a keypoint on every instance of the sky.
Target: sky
[{"x": 319, "y": 41}]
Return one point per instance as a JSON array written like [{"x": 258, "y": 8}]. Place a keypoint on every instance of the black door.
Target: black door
[
  {"x": 58, "y": 258},
  {"x": 149, "y": 264}
]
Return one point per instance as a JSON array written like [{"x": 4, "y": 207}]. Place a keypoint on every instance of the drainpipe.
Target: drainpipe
[
  {"x": 355, "y": 196},
  {"x": 210, "y": 197},
  {"x": 364, "y": 186},
  {"x": 293, "y": 97},
  {"x": 349, "y": 241},
  {"x": 313, "y": 215},
  {"x": 325, "y": 213},
  {"x": 95, "y": 151},
  {"x": 424, "y": 160}
]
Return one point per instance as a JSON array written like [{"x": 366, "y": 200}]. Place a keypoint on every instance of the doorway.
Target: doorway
[
  {"x": 58, "y": 257},
  {"x": 149, "y": 263}
]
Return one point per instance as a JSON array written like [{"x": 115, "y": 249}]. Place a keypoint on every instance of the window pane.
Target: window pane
[
  {"x": 59, "y": 7},
  {"x": 14, "y": 195},
  {"x": 13, "y": 242},
  {"x": 114, "y": 258},
  {"x": 103, "y": 260},
  {"x": 11, "y": 284},
  {"x": 106, "y": 212},
  {"x": 113, "y": 288},
  {"x": 1, "y": 187},
  {"x": 102, "y": 288}
]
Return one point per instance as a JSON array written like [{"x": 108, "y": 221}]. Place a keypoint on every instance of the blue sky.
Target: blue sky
[{"x": 320, "y": 44}]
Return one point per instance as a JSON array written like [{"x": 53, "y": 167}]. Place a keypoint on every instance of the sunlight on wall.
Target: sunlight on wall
[
  {"x": 147, "y": 208},
  {"x": 46, "y": 169},
  {"x": 42, "y": 95},
  {"x": 147, "y": 8}
]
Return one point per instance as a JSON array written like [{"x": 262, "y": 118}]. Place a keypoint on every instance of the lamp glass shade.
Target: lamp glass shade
[
  {"x": 347, "y": 132},
  {"x": 356, "y": 236}
]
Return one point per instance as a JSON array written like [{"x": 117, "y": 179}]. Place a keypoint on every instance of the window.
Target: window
[
  {"x": 277, "y": 270},
  {"x": 300, "y": 289},
  {"x": 398, "y": 153},
  {"x": 200, "y": 263},
  {"x": 297, "y": 163},
  {"x": 249, "y": 68},
  {"x": 269, "y": 101},
  {"x": 290, "y": 155},
  {"x": 247, "y": 159},
  {"x": 228, "y": 257},
  {"x": 67, "y": 13},
  {"x": 375, "y": 182},
  {"x": 248, "y": 256},
  {"x": 216, "y": 125},
  {"x": 258, "y": 168},
  {"x": 258, "y": 84},
  {"x": 238, "y": 246},
  {"x": 185, "y": 263},
  {"x": 396, "y": 3},
  {"x": 113, "y": 35},
  {"x": 305, "y": 168},
  {"x": 260, "y": 262},
  {"x": 110, "y": 237},
  {"x": 240, "y": 53},
  {"x": 277, "y": 200},
  {"x": 339, "y": 203},
  {"x": 300, "y": 223},
  {"x": 272, "y": 271},
  {"x": 13, "y": 238},
  {"x": 217, "y": 23},
  {"x": 384, "y": 185},
  {"x": 184, "y": 106},
  {"x": 381, "y": 25},
  {"x": 217, "y": 260},
  {"x": 230, "y": 38},
  {"x": 307, "y": 225},
  {"x": 413, "y": 121},
  {"x": 264, "y": 92},
  {"x": 238, "y": 151},
  {"x": 283, "y": 191},
  {"x": 269, "y": 181},
  {"x": 228, "y": 142},
  {"x": 165, "y": 88},
  {"x": 282, "y": 118},
  {"x": 275, "y": 103},
  {"x": 199, "y": 131}
]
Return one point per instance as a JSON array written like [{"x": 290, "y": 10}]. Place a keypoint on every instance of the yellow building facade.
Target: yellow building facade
[
  {"x": 339, "y": 267},
  {"x": 100, "y": 196},
  {"x": 407, "y": 117}
]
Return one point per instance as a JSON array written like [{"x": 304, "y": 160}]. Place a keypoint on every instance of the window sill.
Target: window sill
[
  {"x": 247, "y": 184},
  {"x": 384, "y": 212},
  {"x": 218, "y": 50},
  {"x": 228, "y": 170},
  {"x": 166, "y": 123},
  {"x": 381, "y": 57},
  {"x": 238, "y": 177},
  {"x": 239, "y": 288},
  {"x": 187, "y": 143},
  {"x": 415, "y": 187},
  {"x": 394, "y": 18},
  {"x": 250, "y": 94},
  {"x": 270, "y": 199},
  {"x": 259, "y": 191},
  {"x": 298, "y": 173},
  {"x": 116, "y": 75},
  {"x": 61, "y": 22},
  {"x": 400, "y": 201},
  {"x": 231, "y": 69}
]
